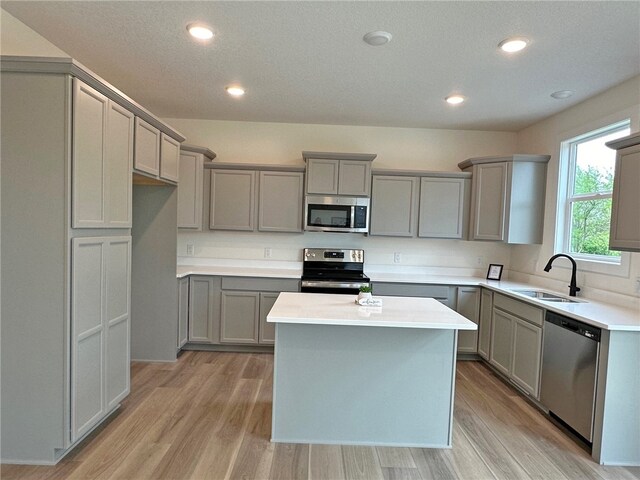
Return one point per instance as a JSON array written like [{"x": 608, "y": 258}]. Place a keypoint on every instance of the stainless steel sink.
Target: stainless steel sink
[{"x": 545, "y": 296}]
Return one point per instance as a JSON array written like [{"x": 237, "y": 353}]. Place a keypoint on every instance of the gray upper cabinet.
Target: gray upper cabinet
[
  {"x": 322, "y": 176},
  {"x": 102, "y": 156},
  {"x": 507, "y": 198},
  {"x": 169, "y": 158},
  {"x": 232, "y": 200},
  {"x": 338, "y": 173},
  {"x": 190, "y": 188},
  {"x": 147, "y": 150},
  {"x": 269, "y": 199},
  {"x": 394, "y": 206},
  {"x": 625, "y": 220},
  {"x": 468, "y": 305},
  {"x": 280, "y": 201},
  {"x": 444, "y": 207}
]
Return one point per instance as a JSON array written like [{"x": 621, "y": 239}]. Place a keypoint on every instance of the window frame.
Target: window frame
[{"x": 617, "y": 266}]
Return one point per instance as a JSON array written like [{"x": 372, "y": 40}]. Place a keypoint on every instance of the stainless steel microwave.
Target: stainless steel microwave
[{"x": 336, "y": 214}]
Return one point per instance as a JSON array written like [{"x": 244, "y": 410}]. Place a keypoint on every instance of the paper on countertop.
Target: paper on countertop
[{"x": 370, "y": 302}]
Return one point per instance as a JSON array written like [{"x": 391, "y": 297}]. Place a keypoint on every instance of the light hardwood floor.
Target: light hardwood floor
[{"x": 208, "y": 416}]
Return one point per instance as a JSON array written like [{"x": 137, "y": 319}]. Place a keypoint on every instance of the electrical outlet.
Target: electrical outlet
[
  {"x": 638, "y": 285},
  {"x": 190, "y": 249},
  {"x": 267, "y": 253},
  {"x": 397, "y": 257},
  {"x": 479, "y": 261}
]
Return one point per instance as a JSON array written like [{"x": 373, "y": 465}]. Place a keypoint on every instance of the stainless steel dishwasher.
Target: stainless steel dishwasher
[{"x": 569, "y": 370}]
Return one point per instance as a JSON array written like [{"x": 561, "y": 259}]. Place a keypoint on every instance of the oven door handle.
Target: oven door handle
[{"x": 312, "y": 284}]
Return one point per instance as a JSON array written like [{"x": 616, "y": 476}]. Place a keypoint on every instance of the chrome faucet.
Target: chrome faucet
[{"x": 573, "y": 289}]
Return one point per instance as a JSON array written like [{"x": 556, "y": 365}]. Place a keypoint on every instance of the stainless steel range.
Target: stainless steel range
[{"x": 326, "y": 270}]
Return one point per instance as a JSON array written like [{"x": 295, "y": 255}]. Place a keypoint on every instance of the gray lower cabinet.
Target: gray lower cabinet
[
  {"x": 468, "y": 305},
  {"x": 394, "y": 205},
  {"x": 267, "y": 333},
  {"x": 484, "y": 327},
  {"x": 625, "y": 221},
  {"x": 240, "y": 320},
  {"x": 516, "y": 342},
  {"x": 183, "y": 311},
  {"x": 507, "y": 198},
  {"x": 204, "y": 309},
  {"x": 444, "y": 207},
  {"x": 100, "y": 325},
  {"x": 443, "y": 293}
]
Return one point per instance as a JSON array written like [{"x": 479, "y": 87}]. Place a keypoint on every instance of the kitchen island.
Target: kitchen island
[{"x": 353, "y": 375}]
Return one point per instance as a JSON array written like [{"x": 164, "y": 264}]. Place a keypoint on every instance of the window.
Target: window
[{"x": 589, "y": 166}]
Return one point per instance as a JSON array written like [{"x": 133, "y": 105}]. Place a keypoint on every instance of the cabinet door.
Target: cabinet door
[
  {"x": 468, "y": 305},
  {"x": 100, "y": 324},
  {"x": 119, "y": 162},
  {"x": 88, "y": 166},
  {"x": 354, "y": 177},
  {"x": 281, "y": 199},
  {"x": 501, "y": 341},
  {"x": 146, "y": 156},
  {"x": 267, "y": 330},
  {"x": 240, "y": 317},
  {"x": 183, "y": 311},
  {"x": 118, "y": 319},
  {"x": 322, "y": 176},
  {"x": 484, "y": 328},
  {"x": 232, "y": 200},
  {"x": 489, "y": 201},
  {"x": 204, "y": 309},
  {"x": 87, "y": 335},
  {"x": 527, "y": 353},
  {"x": 394, "y": 206},
  {"x": 190, "y": 191},
  {"x": 442, "y": 207},
  {"x": 169, "y": 157},
  {"x": 625, "y": 220}
]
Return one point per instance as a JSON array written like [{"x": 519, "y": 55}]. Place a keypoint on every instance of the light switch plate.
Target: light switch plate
[{"x": 190, "y": 249}]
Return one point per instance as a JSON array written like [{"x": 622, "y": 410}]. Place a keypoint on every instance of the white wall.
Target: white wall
[
  {"x": 401, "y": 148},
  {"x": 620, "y": 102},
  {"x": 18, "y": 39},
  {"x": 283, "y": 143}
]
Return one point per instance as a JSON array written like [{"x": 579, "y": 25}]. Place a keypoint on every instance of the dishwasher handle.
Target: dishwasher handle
[{"x": 575, "y": 326}]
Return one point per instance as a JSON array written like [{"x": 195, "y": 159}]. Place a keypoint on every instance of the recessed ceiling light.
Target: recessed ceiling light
[
  {"x": 235, "y": 91},
  {"x": 377, "y": 38},
  {"x": 455, "y": 99},
  {"x": 200, "y": 31},
  {"x": 511, "y": 45},
  {"x": 562, "y": 94}
]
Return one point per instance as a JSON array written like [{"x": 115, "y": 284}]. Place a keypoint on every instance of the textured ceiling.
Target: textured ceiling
[{"x": 305, "y": 62}]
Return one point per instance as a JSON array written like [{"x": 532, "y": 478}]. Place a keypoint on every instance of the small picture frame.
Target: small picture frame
[{"x": 494, "y": 272}]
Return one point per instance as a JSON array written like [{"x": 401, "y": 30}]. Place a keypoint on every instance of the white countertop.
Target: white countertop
[
  {"x": 399, "y": 312},
  {"x": 599, "y": 314}
]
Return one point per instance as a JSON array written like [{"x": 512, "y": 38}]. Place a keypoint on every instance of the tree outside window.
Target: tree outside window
[{"x": 588, "y": 215}]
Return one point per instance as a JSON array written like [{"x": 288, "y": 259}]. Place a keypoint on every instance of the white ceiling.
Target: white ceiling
[{"x": 305, "y": 62}]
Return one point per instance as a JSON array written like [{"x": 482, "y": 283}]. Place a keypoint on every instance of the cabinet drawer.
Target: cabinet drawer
[
  {"x": 439, "y": 292},
  {"x": 527, "y": 312},
  {"x": 261, "y": 284}
]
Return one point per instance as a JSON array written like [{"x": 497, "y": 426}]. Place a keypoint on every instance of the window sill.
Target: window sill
[{"x": 621, "y": 269}]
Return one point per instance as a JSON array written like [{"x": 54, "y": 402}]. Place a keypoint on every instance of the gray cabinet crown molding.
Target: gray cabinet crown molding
[
  {"x": 186, "y": 147},
  {"x": 388, "y": 172},
  {"x": 519, "y": 157},
  {"x": 69, "y": 66},
  {"x": 367, "y": 157},
  {"x": 254, "y": 166},
  {"x": 628, "y": 141}
]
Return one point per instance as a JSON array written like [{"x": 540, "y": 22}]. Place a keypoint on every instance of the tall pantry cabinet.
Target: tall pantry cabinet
[{"x": 66, "y": 200}]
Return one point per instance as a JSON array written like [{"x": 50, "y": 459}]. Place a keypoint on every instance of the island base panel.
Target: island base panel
[{"x": 363, "y": 385}]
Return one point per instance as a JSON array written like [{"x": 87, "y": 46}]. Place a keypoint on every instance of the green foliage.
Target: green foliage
[
  {"x": 365, "y": 289},
  {"x": 590, "y": 219}
]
